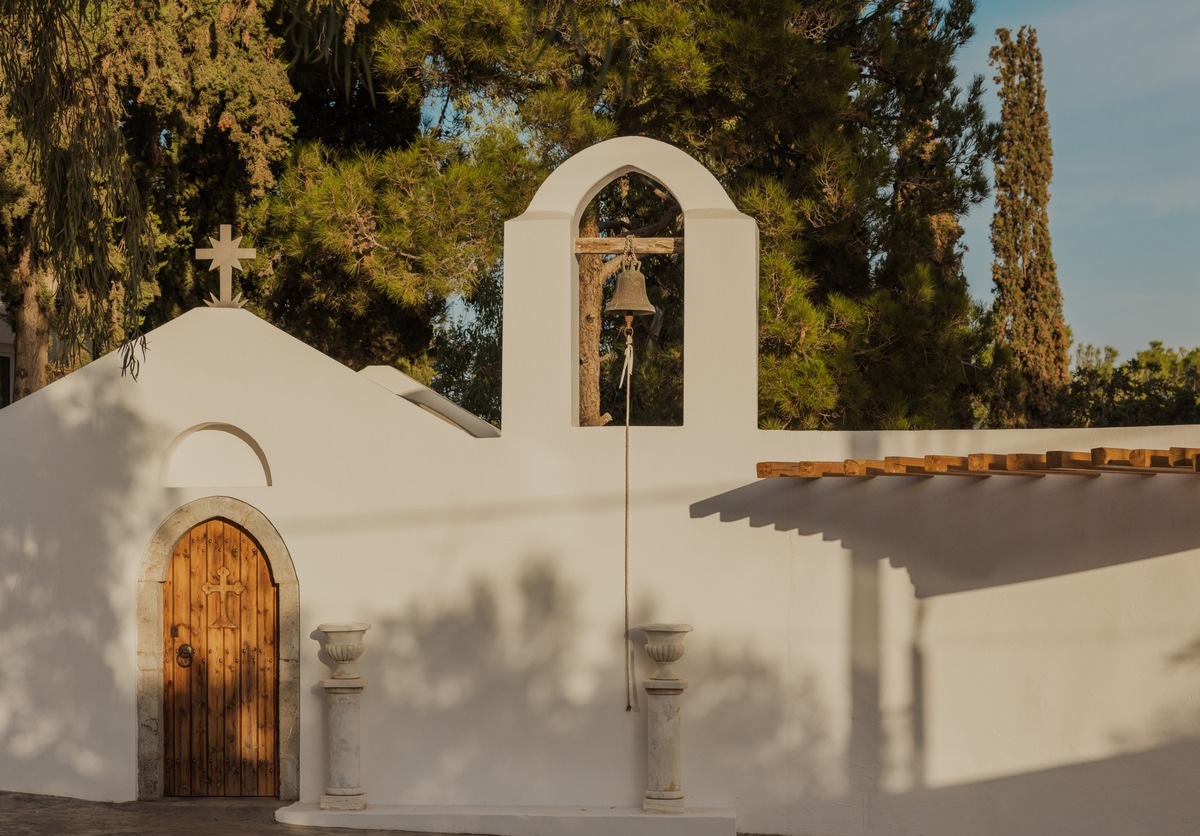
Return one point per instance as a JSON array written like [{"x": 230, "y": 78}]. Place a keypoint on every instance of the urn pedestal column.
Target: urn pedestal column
[
  {"x": 342, "y": 694},
  {"x": 664, "y": 692}
]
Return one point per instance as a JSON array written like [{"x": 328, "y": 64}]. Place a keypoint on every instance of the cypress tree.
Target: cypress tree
[{"x": 1031, "y": 340}]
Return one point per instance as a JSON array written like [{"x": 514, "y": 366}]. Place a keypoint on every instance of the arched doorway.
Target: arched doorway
[
  {"x": 218, "y": 578},
  {"x": 220, "y": 645}
]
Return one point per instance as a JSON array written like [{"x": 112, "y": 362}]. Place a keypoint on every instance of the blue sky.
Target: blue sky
[{"x": 1123, "y": 92}]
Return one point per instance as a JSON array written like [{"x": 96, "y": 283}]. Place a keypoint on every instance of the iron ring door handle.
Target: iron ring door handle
[{"x": 184, "y": 655}]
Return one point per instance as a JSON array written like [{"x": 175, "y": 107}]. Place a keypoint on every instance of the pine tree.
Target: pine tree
[
  {"x": 812, "y": 115},
  {"x": 370, "y": 245},
  {"x": 1030, "y": 351},
  {"x": 915, "y": 356}
]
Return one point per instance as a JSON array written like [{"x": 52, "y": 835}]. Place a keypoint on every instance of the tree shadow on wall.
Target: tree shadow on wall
[
  {"x": 495, "y": 697},
  {"x": 65, "y": 604},
  {"x": 956, "y": 534}
]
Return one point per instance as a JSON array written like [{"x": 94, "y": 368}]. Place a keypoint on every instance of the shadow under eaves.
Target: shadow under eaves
[
  {"x": 1151, "y": 791},
  {"x": 958, "y": 534}
]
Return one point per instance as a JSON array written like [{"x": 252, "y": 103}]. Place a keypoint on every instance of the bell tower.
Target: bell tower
[{"x": 541, "y": 290}]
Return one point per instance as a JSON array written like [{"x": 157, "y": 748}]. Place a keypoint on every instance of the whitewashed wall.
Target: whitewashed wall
[{"x": 888, "y": 656}]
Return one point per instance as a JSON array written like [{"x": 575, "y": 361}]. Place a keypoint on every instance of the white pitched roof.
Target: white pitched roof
[
  {"x": 415, "y": 392},
  {"x": 228, "y": 365}
]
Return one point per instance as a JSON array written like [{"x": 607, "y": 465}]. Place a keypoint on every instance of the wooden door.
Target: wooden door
[{"x": 220, "y": 639}]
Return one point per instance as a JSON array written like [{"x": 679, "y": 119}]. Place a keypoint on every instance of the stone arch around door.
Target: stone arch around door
[{"x": 151, "y": 576}]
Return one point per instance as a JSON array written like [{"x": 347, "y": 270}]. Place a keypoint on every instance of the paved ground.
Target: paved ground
[{"x": 48, "y": 815}]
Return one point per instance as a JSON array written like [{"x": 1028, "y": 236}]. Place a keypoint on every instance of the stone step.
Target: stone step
[{"x": 517, "y": 821}]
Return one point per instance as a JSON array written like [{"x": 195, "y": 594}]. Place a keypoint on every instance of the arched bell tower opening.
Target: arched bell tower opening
[
  {"x": 541, "y": 291},
  {"x": 151, "y": 657},
  {"x": 632, "y": 227}
]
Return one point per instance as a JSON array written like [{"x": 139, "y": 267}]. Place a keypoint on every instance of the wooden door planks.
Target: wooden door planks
[{"x": 220, "y": 713}]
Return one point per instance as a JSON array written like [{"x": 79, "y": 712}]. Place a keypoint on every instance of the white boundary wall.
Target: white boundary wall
[{"x": 888, "y": 656}]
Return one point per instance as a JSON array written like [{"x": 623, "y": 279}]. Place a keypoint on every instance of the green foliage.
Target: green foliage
[
  {"x": 334, "y": 34},
  {"x": 372, "y": 150},
  {"x": 177, "y": 115},
  {"x": 467, "y": 345},
  {"x": 839, "y": 127},
  {"x": 368, "y": 246},
  {"x": 1159, "y": 386},
  {"x": 209, "y": 121},
  {"x": 1030, "y": 361},
  {"x": 915, "y": 356},
  {"x": 88, "y": 228},
  {"x": 800, "y": 343}
]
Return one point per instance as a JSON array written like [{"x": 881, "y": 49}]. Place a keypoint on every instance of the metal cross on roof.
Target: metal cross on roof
[{"x": 226, "y": 256}]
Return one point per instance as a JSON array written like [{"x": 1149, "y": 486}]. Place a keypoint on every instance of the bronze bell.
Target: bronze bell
[{"x": 629, "y": 298}]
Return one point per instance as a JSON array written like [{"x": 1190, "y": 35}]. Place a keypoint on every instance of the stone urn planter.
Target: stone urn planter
[
  {"x": 664, "y": 691},
  {"x": 664, "y": 644},
  {"x": 344, "y": 644}
]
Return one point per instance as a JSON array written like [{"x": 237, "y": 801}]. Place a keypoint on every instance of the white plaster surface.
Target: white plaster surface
[
  {"x": 212, "y": 455},
  {"x": 406, "y": 387},
  {"x": 885, "y": 656},
  {"x": 664, "y": 783},
  {"x": 344, "y": 743}
]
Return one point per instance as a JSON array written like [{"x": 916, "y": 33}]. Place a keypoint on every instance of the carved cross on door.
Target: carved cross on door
[{"x": 223, "y": 589}]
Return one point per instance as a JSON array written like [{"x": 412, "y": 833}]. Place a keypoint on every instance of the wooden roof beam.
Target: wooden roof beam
[
  {"x": 1009, "y": 464},
  {"x": 1073, "y": 462},
  {"x": 801, "y": 470},
  {"x": 953, "y": 466},
  {"x": 905, "y": 466},
  {"x": 641, "y": 246},
  {"x": 1142, "y": 461},
  {"x": 1110, "y": 455},
  {"x": 1037, "y": 465},
  {"x": 1091, "y": 463},
  {"x": 1185, "y": 456},
  {"x": 865, "y": 467},
  {"x": 1151, "y": 458}
]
